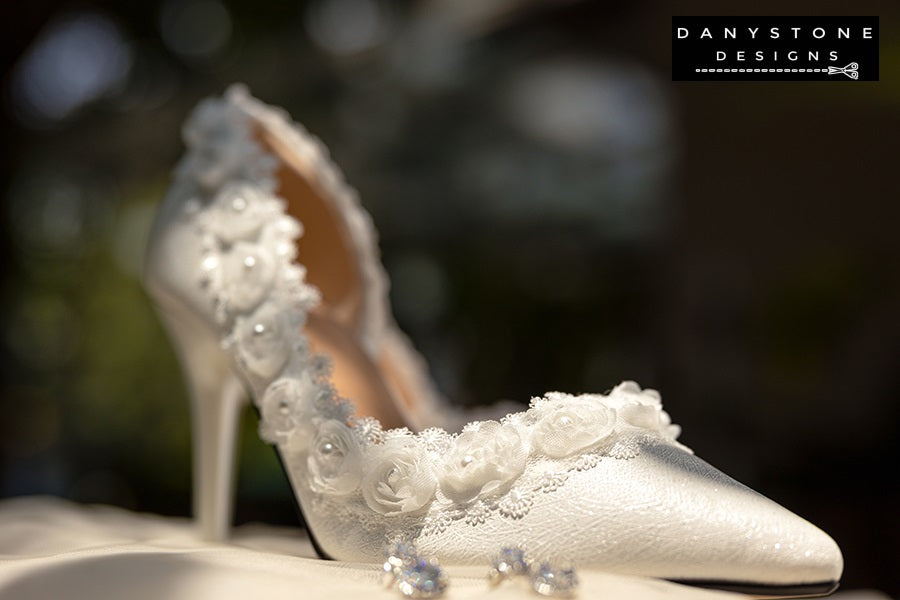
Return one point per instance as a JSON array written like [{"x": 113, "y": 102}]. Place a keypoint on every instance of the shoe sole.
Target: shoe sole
[{"x": 765, "y": 590}]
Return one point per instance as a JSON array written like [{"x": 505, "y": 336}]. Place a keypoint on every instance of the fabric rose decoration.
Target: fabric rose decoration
[
  {"x": 640, "y": 415},
  {"x": 642, "y": 409},
  {"x": 630, "y": 391},
  {"x": 567, "y": 425},
  {"x": 217, "y": 152},
  {"x": 248, "y": 273},
  {"x": 335, "y": 459},
  {"x": 286, "y": 412},
  {"x": 240, "y": 211},
  {"x": 399, "y": 479},
  {"x": 221, "y": 148},
  {"x": 486, "y": 460},
  {"x": 263, "y": 340}
]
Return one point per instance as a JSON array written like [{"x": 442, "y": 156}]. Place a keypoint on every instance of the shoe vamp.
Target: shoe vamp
[{"x": 664, "y": 513}]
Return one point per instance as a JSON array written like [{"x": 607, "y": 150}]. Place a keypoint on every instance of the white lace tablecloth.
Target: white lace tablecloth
[{"x": 51, "y": 548}]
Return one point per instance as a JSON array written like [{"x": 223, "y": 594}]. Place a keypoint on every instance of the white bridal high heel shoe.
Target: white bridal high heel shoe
[{"x": 599, "y": 480}]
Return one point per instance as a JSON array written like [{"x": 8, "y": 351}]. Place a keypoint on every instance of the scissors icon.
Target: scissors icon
[{"x": 850, "y": 70}]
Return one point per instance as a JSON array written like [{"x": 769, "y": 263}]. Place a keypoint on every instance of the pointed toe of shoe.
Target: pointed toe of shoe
[
  {"x": 728, "y": 536},
  {"x": 759, "y": 547},
  {"x": 807, "y": 561}
]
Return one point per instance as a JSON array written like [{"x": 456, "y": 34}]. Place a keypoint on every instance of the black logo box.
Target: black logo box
[{"x": 803, "y": 48}]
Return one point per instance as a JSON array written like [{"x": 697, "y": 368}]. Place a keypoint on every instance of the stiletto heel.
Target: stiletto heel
[
  {"x": 215, "y": 427},
  {"x": 217, "y": 400},
  {"x": 598, "y": 479}
]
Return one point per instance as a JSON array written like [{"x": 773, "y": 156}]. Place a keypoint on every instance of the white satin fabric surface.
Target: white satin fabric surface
[{"x": 51, "y": 548}]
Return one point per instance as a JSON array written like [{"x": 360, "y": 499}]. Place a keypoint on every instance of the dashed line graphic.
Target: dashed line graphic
[{"x": 851, "y": 70}]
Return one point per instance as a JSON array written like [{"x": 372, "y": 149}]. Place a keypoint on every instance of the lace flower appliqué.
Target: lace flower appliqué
[
  {"x": 399, "y": 479},
  {"x": 568, "y": 426},
  {"x": 486, "y": 460},
  {"x": 335, "y": 460}
]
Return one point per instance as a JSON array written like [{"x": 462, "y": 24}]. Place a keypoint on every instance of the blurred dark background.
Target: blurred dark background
[{"x": 554, "y": 213}]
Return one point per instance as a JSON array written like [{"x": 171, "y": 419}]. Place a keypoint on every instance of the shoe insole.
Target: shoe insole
[
  {"x": 327, "y": 252},
  {"x": 355, "y": 375}
]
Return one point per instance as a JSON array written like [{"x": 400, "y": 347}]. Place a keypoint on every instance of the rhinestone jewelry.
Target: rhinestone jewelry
[
  {"x": 415, "y": 576},
  {"x": 397, "y": 554},
  {"x": 548, "y": 579},
  {"x": 424, "y": 578},
  {"x": 509, "y": 561}
]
